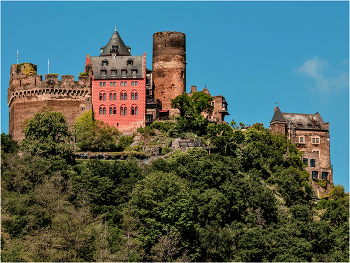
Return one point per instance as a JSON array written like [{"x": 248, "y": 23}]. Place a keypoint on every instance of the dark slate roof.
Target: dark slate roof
[
  {"x": 117, "y": 63},
  {"x": 277, "y": 116},
  {"x": 115, "y": 40},
  {"x": 307, "y": 121}
]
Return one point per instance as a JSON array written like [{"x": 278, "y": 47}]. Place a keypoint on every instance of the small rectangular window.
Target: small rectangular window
[
  {"x": 301, "y": 139},
  {"x": 123, "y": 72},
  {"x": 124, "y": 83},
  {"x": 104, "y": 84},
  {"x": 324, "y": 175},
  {"x": 305, "y": 161},
  {"x": 135, "y": 83},
  {"x": 212, "y": 104},
  {"x": 121, "y": 84},
  {"x": 132, "y": 83},
  {"x": 134, "y": 72},
  {"x": 315, "y": 140},
  {"x": 100, "y": 84},
  {"x": 314, "y": 175},
  {"x": 312, "y": 162},
  {"x": 103, "y": 72},
  {"x": 114, "y": 84},
  {"x": 111, "y": 84}
]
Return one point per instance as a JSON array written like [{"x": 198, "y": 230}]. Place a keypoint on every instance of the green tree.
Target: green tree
[
  {"x": 196, "y": 104},
  {"x": 7, "y": 144},
  {"x": 94, "y": 135},
  {"x": 47, "y": 135}
]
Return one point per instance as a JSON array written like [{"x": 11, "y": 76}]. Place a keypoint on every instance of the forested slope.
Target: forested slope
[{"x": 248, "y": 201}]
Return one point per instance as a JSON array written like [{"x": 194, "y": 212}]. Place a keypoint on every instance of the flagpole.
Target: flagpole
[
  {"x": 17, "y": 56},
  {"x": 48, "y": 66}
]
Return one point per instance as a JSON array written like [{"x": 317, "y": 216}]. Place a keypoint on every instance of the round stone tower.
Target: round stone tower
[{"x": 169, "y": 67}]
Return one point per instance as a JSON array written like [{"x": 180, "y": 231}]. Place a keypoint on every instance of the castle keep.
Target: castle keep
[{"x": 117, "y": 87}]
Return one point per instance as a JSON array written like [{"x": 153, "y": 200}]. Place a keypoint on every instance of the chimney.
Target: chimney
[
  {"x": 193, "y": 89},
  {"x": 129, "y": 49}
]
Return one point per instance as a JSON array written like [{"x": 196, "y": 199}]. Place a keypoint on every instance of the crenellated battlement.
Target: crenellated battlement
[
  {"x": 29, "y": 92},
  {"x": 25, "y": 84}
]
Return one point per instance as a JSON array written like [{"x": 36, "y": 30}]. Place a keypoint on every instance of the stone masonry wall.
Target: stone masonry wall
[
  {"x": 169, "y": 67},
  {"x": 28, "y": 94}
]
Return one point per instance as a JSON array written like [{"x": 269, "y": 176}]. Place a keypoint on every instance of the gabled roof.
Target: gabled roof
[
  {"x": 117, "y": 41},
  {"x": 277, "y": 116}
]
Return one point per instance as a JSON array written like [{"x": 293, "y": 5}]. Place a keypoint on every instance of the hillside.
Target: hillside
[{"x": 248, "y": 200}]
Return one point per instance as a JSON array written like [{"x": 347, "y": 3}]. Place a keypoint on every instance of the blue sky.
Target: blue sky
[{"x": 253, "y": 53}]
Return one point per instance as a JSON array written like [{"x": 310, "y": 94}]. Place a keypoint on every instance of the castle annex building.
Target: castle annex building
[
  {"x": 311, "y": 136},
  {"x": 117, "y": 87}
]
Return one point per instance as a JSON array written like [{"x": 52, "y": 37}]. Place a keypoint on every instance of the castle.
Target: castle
[
  {"x": 124, "y": 93},
  {"x": 116, "y": 85},
  {"x": 311, "y": 136}
]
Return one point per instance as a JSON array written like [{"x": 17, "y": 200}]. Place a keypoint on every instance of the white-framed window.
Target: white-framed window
[
  {"x": 315, "y": 140},
  {"x": 301, "y": 139}
]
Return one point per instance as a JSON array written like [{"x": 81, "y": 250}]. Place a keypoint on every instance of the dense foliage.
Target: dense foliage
[
  {"x": 250, "y": 200},
  {"x": 94, "y": 135}
]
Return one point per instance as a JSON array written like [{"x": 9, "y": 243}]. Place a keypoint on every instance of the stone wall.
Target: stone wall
[
  {"x": 169, "y": 67},
  {"x": 28, "y": 94}
]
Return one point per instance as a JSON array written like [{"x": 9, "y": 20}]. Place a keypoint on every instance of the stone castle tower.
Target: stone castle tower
[
  {"x": 28, "y": 93},
  {"x": 169, "y": 67}
]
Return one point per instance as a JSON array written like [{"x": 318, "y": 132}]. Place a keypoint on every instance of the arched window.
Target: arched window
[
  {"x": 121, "y": 96},
  {"x": 102, "y": 110},
  {"x": 115, "y": 96},
  {"x": 135, "y": 110},
  {"x": 100, "y": 96},
  {"x": 125, "y": 111},
  {"x": 110, "y": 110},
  {"x": 132, "y": 111},
  {"x": 114, "y": 110},
  {"x": 132, "y": 96},
  {"x": 136, "y": 96},
  {"x": 121, "y": 111},
  {"x": 111, "y": 96},
  {"x": 104, "y": 96},
  {"x": 125, "y": 96}
]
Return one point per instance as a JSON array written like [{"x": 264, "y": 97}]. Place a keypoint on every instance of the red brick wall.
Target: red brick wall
[{"x": 19, "y": 112}]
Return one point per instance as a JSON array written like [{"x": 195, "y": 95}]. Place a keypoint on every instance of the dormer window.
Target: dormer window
[
  {"x": 130, "y": 62},
  {"x": 309, "y": 125},
  {"x": 103, "y": 72},
  {"x": 317, "y": 126},
  {"x": 300, "y": 125},
  {"x": 113, "y": 72},
  {"x": 134, "y": 72},
  {"x": 124, "y": 72},
  {"x": 114, "y": 49},
  {"x": 105, "y": 63}
]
